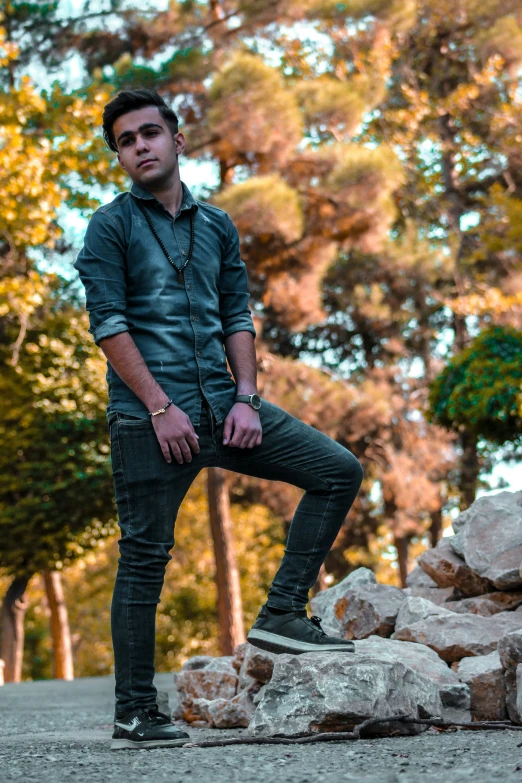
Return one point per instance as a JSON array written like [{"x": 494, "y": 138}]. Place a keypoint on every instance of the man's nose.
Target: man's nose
[{"x": 141, "y": 144}]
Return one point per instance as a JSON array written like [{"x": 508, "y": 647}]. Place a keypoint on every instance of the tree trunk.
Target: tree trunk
[
  {"x": 12, "y": 616},
  {"x": 470, "y": 469},
  {"x": 60, "y": 632},
  {"x": 435, "y": 527},
  {"x": 402, "y": 544},
  {"x": 229, "y": 603}
]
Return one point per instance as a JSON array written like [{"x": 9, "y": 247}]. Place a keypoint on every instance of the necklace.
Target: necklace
[{"x": 181, "y": 274}]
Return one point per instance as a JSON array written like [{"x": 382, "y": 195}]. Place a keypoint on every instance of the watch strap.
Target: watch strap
[{"x": 248, "y": 399}]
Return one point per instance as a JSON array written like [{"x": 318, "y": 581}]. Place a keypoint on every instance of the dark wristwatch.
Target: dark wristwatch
[{"x": 254, "y": 400}]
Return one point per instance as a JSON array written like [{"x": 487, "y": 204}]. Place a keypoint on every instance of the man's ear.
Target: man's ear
[
  {"x": 121, "y": 162},
  {"x": 180, "y": 143}
]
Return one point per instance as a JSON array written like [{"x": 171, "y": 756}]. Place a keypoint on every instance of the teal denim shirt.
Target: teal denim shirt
[{"x": 179, "y": 330}]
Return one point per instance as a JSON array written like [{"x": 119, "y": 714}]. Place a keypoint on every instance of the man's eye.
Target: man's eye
[
  {"x": 152, "y": 133},
  {"x": 125, "y": 142}
]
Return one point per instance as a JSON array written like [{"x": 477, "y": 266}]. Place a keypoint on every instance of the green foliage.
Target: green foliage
[
  {"x": 56, "y": 489},
  {"x": 125, "y": 74},
  {"x": 480, "y": 390}
]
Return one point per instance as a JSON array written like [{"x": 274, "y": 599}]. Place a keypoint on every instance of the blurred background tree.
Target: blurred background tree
[{"x": 55, "y": 482}]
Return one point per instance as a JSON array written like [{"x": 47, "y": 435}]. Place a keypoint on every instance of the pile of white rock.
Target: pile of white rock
[{"x": 448, "y": 645}]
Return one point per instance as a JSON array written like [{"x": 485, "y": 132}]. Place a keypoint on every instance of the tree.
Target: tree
[
  {"x": 54, "y": 452},
  {"x": 229, "y": 603},
  {"x": 479, "y": 392},
  {"x": 44, "y": 163},
  {"x": 452, "y": 88}
]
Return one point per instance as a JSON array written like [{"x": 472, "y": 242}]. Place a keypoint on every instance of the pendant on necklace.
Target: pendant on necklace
[{"x": 181, "y": 277}]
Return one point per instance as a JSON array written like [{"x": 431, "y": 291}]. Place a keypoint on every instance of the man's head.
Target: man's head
[{"x": 140, "y": 127}]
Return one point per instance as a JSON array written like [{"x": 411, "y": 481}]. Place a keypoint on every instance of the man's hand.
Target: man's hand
[
  {"x": 242, "y": 427},
  {"x": 174, "y": 428}
]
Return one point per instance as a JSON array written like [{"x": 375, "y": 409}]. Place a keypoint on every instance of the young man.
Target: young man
[{"x": 168, "y": 303}]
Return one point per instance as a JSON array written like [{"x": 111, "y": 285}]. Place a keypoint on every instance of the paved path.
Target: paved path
[{"x": 60, "y": 731}]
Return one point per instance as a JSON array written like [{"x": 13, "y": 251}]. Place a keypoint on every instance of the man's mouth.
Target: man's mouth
[{"x": 145, "y": 162}]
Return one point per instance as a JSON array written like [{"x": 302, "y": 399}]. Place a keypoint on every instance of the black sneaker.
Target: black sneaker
[
  {"x": 146, "y": 728},
  {"x": 294, "y": 632}
]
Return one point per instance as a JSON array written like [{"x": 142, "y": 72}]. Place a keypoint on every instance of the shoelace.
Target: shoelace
[
  {"x": 317, "y": 623},
  {"x": 156, "y": 717}
]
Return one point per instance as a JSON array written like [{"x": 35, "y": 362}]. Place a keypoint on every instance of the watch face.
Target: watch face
[{"x": 256, "y": 401}]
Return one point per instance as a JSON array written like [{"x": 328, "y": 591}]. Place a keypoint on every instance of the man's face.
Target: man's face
[{"x": 146, "y": 149}]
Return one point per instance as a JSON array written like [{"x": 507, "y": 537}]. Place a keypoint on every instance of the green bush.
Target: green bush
[{"x": 480, "y": 391}]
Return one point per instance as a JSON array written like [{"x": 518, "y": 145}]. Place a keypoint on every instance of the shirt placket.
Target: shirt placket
[{"x": 182, "y": 237}]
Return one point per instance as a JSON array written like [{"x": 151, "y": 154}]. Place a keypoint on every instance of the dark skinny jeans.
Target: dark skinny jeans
[{"x": 149, "y": 491}]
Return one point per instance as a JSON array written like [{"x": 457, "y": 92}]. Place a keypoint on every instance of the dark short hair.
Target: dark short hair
[{"x": 130, "y": 100}]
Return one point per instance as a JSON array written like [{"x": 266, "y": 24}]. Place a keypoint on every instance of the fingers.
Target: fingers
[
  {"x": 185, "y": 450},
  {"x": 182, "y": 443},
  {"x": 193, "y": 442},
  {"x": 243, "y": 443},
  {"x": 177, "y": 452},
  {"x": 227, "y": 430},
  {"x": 245, "y": 439},
  {"x": 254, "y": 441},
  {"x": 164, "y": 445},
  {"x": 182, "y": 448}
]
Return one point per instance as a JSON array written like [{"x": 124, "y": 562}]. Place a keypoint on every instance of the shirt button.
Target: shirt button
[
  {"x": 189, "y": 287},
  {"x": 193, "y": 317},
  {"x": 199, "y": 353}
]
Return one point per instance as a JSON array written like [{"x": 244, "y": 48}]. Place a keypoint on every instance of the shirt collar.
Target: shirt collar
[{"x": 188, "y": 201}]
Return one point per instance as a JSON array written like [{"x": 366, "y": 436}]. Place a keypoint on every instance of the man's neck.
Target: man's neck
[{"x": 170, "y": 195}]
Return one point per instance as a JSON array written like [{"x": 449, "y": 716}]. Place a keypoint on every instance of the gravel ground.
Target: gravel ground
[{"x": 60, "y": 731}]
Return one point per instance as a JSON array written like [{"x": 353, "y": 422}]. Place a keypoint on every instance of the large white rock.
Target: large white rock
[
  {"x": 368, "y": 609},
  {"x": 487, "y": 605},
  {"x": 510, "y": 653},
  {"x": 233, "y": 713},
  {"x": 489, "y": 538},
  {"x": 203, "y": 679},
  {"x": 318, "y": 692},
  {"x": 485, "y": 678},
  {"x": 257, "y": 666},
  {"x": 323, "y": 603},
  {"x": 448, "y": 569},
  {"x": 437, "y": 595},
  {"x": 419, "y": 578},
  {"x": 454, "y": 636},
  {"x": 510, "y": 650},
  {"x": 515, "y": 713},
  {"x": 413, "y": 609},
  {"x": 454, "y": 694}
]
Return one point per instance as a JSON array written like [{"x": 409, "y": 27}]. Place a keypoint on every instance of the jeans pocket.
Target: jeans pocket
[{"x": 127, "y": 420}]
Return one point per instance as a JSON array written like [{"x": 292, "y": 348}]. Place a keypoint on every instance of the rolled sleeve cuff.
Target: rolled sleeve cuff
[
  {"x": 113, "y": 325},
  {"x": 239, "y": 325}
]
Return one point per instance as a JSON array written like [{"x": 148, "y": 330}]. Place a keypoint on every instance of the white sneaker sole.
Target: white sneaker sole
[
  {"x": 121, "y": 744},
  {"x": 273, "y": 642}
]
